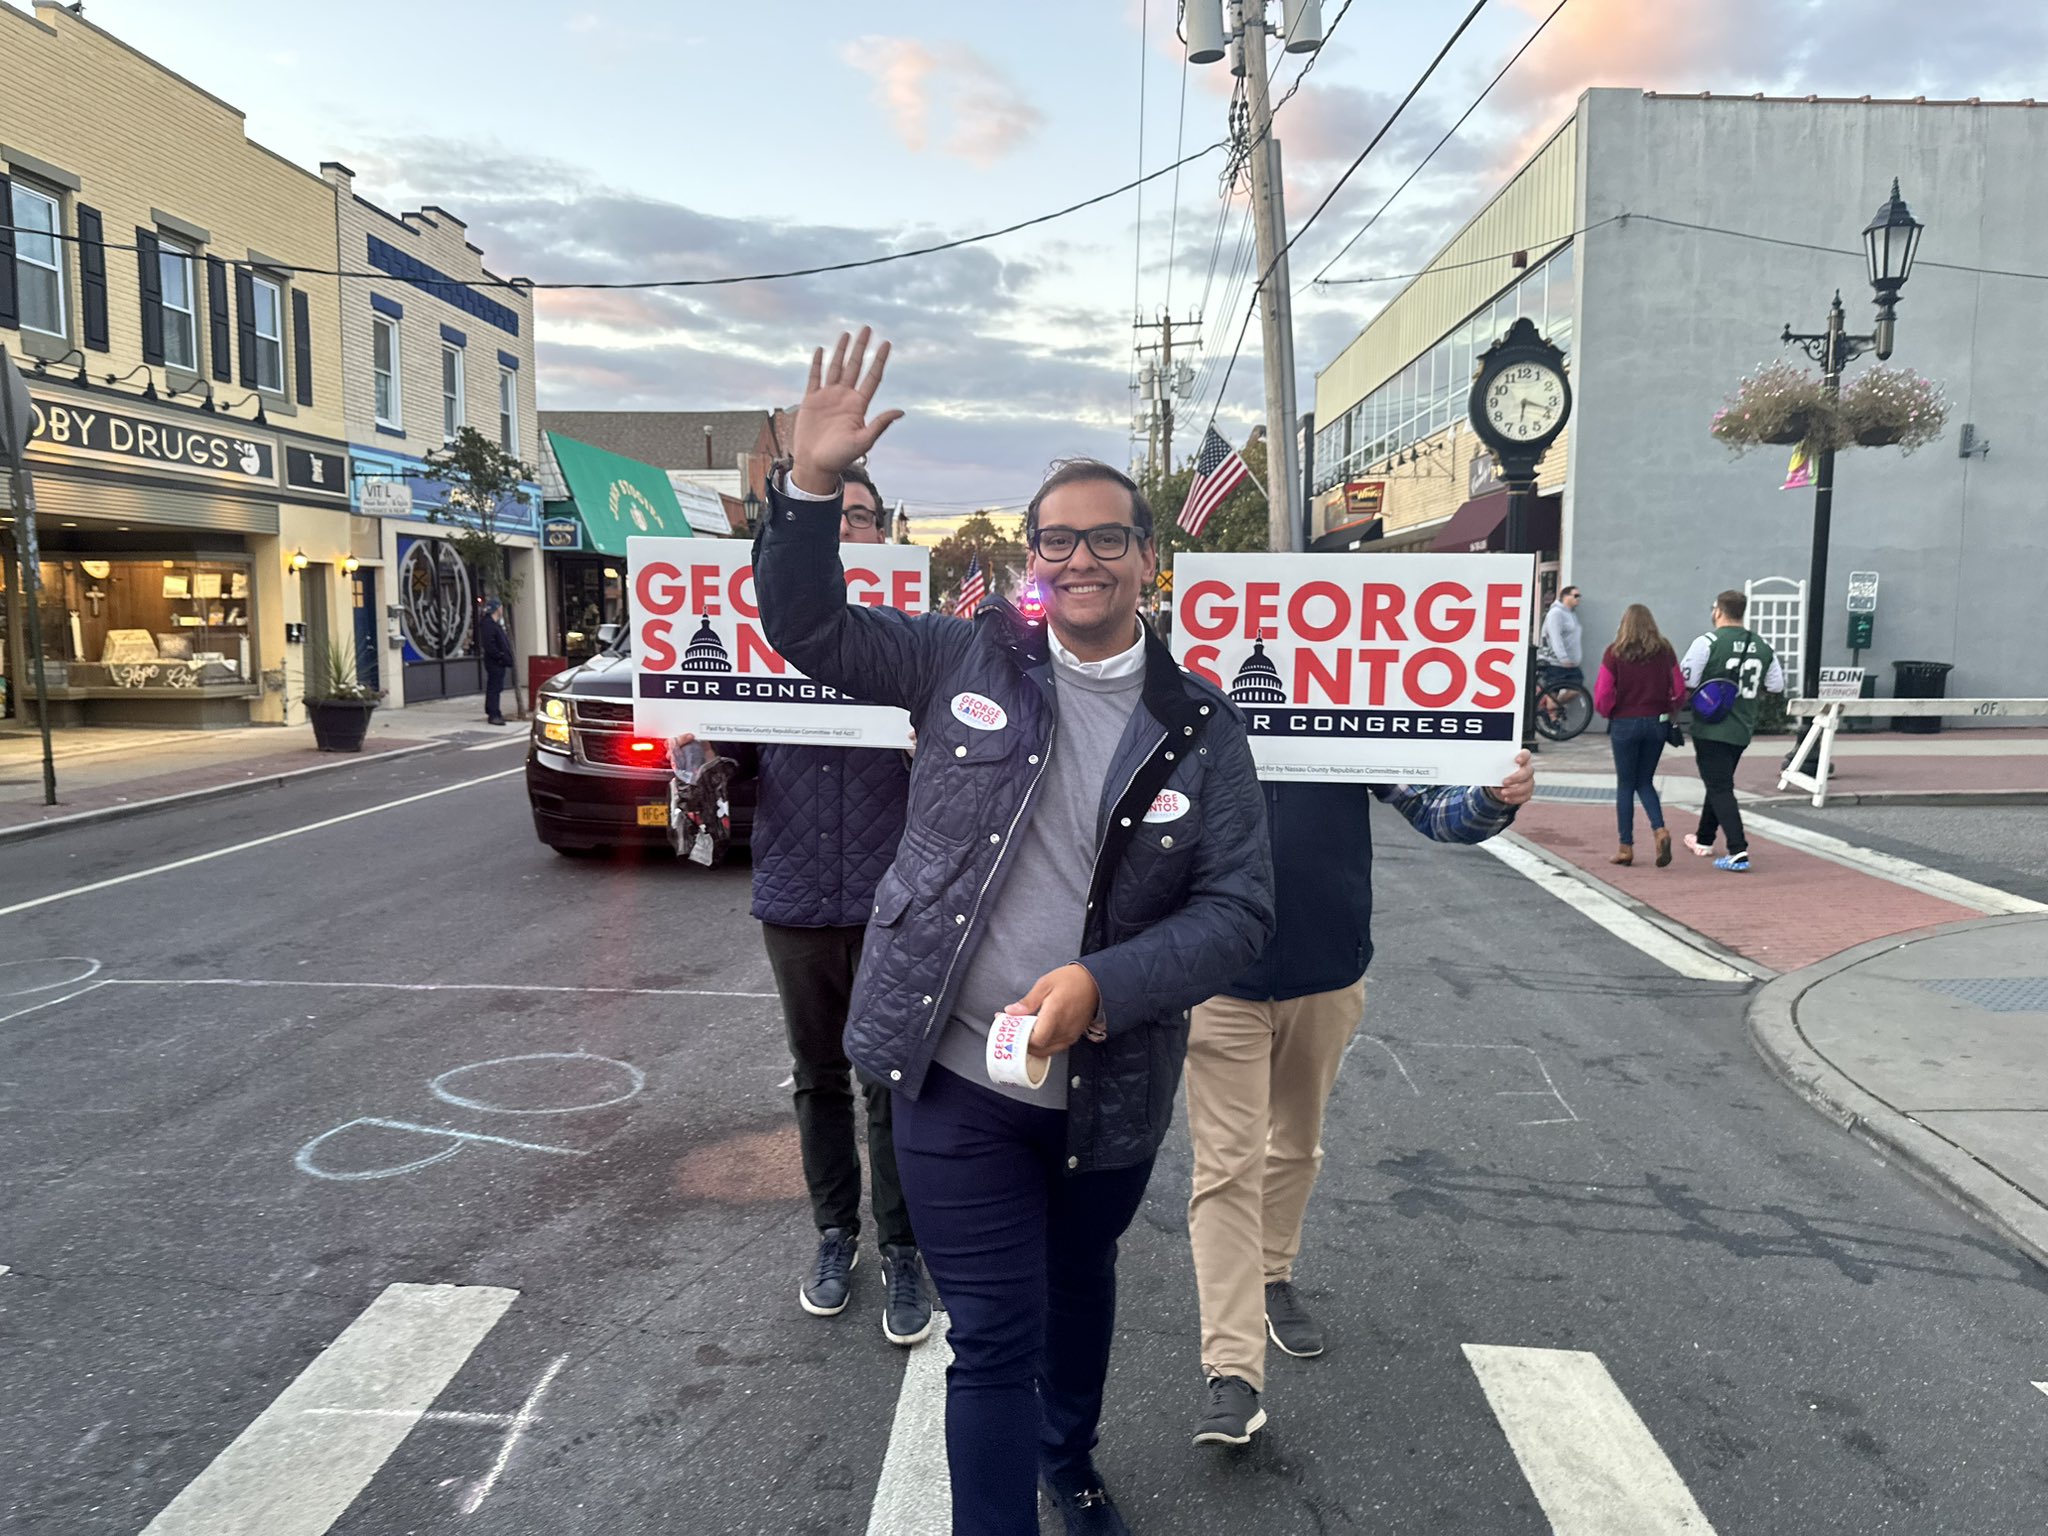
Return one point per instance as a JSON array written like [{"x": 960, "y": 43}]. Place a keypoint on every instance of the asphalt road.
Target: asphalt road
[
  {"x": 415, "y": 1048},
  {"x": 2004, "y": 846}
]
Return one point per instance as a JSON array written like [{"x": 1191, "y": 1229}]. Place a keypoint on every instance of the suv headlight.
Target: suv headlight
[{"x": 555, "y": 707}]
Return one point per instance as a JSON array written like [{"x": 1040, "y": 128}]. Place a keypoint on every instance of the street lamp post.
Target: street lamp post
[{"x": 1890, "y": 242}]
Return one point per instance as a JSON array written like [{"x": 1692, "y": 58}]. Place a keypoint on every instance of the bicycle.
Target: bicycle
[{"x": 1561, "y": 710}]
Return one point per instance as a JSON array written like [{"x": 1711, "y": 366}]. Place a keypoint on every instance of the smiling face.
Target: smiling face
[{"x": 1092, "y": 602}]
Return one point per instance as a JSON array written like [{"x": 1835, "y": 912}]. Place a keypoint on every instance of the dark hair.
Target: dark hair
[
  {"x": 857, "y": 474},
  {"x": 1567, "y": 592},
  {"x": 1079, "y": 471},
  {"x": 1638, "y": 639},
  {"x": 1733, "y": 605}
]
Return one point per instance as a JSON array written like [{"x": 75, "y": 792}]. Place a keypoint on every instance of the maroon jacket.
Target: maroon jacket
[{"x": 1635, "y": 690}]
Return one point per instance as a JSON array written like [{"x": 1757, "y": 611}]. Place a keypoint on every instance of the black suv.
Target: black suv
[{"x": 592, "y": 783}]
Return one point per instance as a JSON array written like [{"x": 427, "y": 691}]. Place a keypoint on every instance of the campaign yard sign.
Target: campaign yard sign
[
  {"x": 1400, "y": 668},
  {"x": 702, "y": 663}
]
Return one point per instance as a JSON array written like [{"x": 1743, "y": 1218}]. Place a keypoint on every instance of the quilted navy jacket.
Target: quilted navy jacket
[
  {"x": 826, "y": 827},
  {"x": 1181, "y": 896}
]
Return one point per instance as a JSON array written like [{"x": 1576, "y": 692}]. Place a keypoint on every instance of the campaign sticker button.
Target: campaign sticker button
[
  {"x": 1169, "y": 805},
  {"x": 983, "y": 714}
]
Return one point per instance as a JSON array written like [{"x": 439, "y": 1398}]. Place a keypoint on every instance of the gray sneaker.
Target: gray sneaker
[
  {"x": 825, "y": 1293},
  {"x": 907, "y": 1304},
  {"x": 1288, "y": 1322},
  {"x": 1233, "y": 1415}
]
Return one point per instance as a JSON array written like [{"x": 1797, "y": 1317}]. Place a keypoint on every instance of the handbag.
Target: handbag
[{"x": 1673, "y": 736}]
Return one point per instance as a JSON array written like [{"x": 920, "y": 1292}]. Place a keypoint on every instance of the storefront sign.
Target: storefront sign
[
  {"x": 1371, "y": 668},
  {"x": 561, "y": 533},
  {"x": 390, "y": 497},
  {"x": 68, "y": 430},
  {"x": 1841, "y": 683},
  {"x": 701, "y": 662},
  {"x": 1481, "y": 475},
  {"x": 1364, "y": 498},
  {"x": 310, "y": 470}
]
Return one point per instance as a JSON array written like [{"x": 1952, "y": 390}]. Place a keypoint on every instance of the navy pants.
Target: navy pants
[
  {"x": 494, "y": 685},
  {"x": 1638, "y": 743},
  {"x": 1024, "y": 1257}
]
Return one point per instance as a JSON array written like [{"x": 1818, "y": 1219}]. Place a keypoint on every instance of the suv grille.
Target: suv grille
[
  {"x": 604, "y": 709},
  {"x": 617, "y": 749}
]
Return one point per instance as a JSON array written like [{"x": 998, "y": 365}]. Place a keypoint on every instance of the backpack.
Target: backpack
[{"x": 1713, "y": 699}]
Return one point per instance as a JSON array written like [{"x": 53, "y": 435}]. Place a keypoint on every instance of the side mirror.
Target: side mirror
[{"x": 608, "y": 635}]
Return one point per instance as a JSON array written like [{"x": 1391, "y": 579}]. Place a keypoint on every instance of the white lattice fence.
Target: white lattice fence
[{"x": 1777, "y": 613}]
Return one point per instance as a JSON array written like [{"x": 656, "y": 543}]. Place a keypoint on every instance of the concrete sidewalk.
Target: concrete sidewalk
[
  {"x": 108, "y": 772},
  {"x": 1934, "y": 1050}
]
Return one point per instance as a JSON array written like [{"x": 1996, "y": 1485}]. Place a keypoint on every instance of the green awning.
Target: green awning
[{"x": 616, "y": 496}]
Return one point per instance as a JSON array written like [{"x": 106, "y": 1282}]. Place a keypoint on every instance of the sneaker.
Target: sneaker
[
  {"x": 1693, "y": 843},
  {"x": 907, "y": 1309},
  {"x": 825, "y": 1293},
  {"x": 1734, "y": 863},
  {"x": 1288, "y": 1323},
  {"x": 1083, "y": 1502},
  {"x": 1233, "y": 1415}
]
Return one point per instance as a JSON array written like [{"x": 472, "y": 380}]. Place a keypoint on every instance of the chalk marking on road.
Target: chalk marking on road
[
  {"x": 275, "y": 1479},
  {"x": 1889, "y": 866},
  {"x": 1665, "y": 948},
  {"x": 424, "y": 986},
  {"x": 91, "y": 1436},
  {"x": 1548, "y": 1090},
  {"x": 1399, "y": 1066},
  {"x": 92, "y": 969},
  {"x": 305, "y": 1164},
  {"x": 51, "y": 1002},
  {"x": 915, "y": 1494},
  {"x": 254, "y": 842},
  {"x": 524, "y": 1419},
  {"x": 1591, "y": 1462},
  {"x": 635, "y": 1081}
]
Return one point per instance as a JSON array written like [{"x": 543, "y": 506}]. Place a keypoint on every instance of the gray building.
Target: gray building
[{"x": 1680, "y": 235}]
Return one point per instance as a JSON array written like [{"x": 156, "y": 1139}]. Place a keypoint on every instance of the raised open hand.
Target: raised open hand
[{"x": 832, "y": 426}]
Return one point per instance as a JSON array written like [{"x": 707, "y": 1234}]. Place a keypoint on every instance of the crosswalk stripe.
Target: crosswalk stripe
[
  {"x": 915, "y": 1495},
  {"x": 1593, "y": 1465},
  {"x": 304, "y": 1459}
]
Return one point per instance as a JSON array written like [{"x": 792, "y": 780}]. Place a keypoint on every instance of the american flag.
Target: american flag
[
  {"x": 1218, "y": 469},
  {"x": 973, "y": 588}
]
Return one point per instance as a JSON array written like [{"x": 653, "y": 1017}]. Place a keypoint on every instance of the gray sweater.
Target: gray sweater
[{"x": 1036, "y": 920}]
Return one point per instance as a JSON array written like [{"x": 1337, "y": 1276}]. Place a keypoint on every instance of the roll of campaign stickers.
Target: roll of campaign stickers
[{"x": 1009, "y": 1052}]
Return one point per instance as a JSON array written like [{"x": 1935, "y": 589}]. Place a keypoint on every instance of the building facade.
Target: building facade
[
  {"x": 166, "y": 287},
  {"x": 431, "y": 341},
  {"x": 1674, "y": 238}
]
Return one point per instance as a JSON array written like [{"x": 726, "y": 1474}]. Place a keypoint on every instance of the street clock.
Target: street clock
[{"x": 1521, "y": 399}]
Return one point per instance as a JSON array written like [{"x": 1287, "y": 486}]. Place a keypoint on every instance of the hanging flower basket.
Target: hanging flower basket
[
  {"x": 1778, "y": 404},
  {"x": 1893, "y": 407}
]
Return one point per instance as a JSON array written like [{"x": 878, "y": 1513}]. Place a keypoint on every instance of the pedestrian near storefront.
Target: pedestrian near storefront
[
  {"x": 1743, "y": 668},
  {"x": 1641, "y": 691},
  {"x": 826, "y": 826},
  {"x": 1561, "y": 650},
  {"x": 1085, "y": 849},
  {"x": 496, "y": 648},
  {"x": 1262, "y": 1058}
]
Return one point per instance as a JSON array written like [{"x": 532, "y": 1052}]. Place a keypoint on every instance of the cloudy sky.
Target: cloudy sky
[{"x": 643, "y": 139}]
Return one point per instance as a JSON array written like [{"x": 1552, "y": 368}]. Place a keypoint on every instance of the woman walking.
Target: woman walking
[{"x": 1639, "y": 689}]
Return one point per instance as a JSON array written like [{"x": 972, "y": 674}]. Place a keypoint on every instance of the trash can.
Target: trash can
[{"x": 1919, "y": 680}]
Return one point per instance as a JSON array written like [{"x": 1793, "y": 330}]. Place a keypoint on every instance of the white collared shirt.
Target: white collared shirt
[{"x": 1123, "y": 664}]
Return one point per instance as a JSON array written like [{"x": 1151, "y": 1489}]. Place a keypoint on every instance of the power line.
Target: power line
[
  {"x": 1173, "y": 227},
  {"x": 1440, "y": 143},
  {"x": 1138, "y": 239}
]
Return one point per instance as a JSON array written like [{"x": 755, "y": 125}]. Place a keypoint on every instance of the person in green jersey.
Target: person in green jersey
[{"x": 1728, "y": 650}]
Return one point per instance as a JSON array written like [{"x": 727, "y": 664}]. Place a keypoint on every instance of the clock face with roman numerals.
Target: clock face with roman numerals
[{"x": 1525, "y": 401}]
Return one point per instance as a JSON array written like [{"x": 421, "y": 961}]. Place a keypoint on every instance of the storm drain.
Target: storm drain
[{"x": 2002, "y": 994}]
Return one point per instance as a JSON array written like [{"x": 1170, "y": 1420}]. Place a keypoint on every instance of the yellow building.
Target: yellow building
[
  {"x": 162, "y": 287},
  {"x": 1392, "y": 441}
]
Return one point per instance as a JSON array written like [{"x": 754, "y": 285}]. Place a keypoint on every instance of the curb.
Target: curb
[
  {"x": 195, "y": 796},
  {"x": 1923, "y": 1152},
  {"x": 1959, "y": 797}
]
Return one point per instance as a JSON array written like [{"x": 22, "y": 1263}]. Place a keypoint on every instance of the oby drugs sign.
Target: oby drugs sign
[
  {"x": 1404, "y": 668},
  {"x": 702, "y": 662}
]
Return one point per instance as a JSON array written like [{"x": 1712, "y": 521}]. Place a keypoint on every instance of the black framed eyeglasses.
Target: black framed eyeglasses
[
  {"x": 1106, "y": 541},
  {"x": 858, "y": 517}
]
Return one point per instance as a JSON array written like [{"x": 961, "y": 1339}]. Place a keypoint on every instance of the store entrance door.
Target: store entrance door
[
  {"x": 319, "y": 634},
  {"x": 364, "y": 596}
]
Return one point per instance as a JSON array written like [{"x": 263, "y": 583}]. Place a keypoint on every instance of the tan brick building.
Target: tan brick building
[{"x": 187, "y": 379}]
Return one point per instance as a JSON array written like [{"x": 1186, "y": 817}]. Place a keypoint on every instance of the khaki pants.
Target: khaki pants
[{"x": 1258, "y": 1076}]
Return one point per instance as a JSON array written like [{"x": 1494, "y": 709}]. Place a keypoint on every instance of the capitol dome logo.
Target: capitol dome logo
[
  {"x": 706, "y": 652},
  {"x": 1258, "y": 680}
]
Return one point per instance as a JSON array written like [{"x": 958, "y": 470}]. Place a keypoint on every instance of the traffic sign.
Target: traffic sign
[{"x": 1863, "y": 591}]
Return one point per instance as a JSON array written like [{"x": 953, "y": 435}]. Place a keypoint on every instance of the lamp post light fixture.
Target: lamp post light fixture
[
  {"x": 299, "y": 561},
  {"x": 1890, "y": 242},
  {"x": 752, "y": 506},
  {"x": 350, "y": 565}
]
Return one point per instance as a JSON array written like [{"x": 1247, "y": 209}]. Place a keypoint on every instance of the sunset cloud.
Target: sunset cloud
[{"x": 983, "y": 114}]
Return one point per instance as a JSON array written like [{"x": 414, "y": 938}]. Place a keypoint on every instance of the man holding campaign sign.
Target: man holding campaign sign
[
  {"x": 1085, "y": 858},
  {"x": 1357, "y": 674}
]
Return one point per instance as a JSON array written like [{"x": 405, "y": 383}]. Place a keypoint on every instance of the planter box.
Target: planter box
[{"x": 339, "y": 725}]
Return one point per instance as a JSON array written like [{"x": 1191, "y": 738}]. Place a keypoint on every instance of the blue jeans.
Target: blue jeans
[
  {"x": 1638, "y": 743},
  {"x": 1024, "y": 1257}
]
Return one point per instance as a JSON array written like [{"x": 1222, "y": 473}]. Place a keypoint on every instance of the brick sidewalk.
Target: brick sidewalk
[{"x": 1794, "y": 909}]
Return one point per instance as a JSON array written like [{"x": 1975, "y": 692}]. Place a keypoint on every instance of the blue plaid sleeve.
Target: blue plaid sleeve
[{"x": 1448, "y": 813}]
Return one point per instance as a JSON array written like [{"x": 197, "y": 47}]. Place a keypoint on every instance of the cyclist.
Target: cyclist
[{"x": 1558, "y": 656}]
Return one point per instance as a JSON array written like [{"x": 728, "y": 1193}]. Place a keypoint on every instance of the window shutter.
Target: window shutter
[
  {"x": 245, "y": 324},
  {"x": 302, "y": 347},
  {"x": 152, "y": 272},
  {"x": 92, "y": 276},
  {"x": 219, "y": 339},
  {"x": 10, "y": 313}
]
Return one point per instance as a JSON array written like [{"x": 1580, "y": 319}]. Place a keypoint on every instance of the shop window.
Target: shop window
[
  {"x": 38, "y": 261},
  {"x": 268, "y": 300},
  {"x": 452, "y": 414},
  {"x": 508, "y": 411},
  {"x": 181, "y": 326},
  {"x": 384, "y": 371},
  {"x": 138, "y": 623}
]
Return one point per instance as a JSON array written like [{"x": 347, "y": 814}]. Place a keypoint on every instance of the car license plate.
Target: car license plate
[{"x": 654, "y": 815}]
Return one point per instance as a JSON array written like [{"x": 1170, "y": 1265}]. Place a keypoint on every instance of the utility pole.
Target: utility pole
[{"x": 1162, "y": 383}]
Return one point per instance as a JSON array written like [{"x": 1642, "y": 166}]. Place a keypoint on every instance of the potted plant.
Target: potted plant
[
  {"x": 337, "y": 701},
  {"x": 1893, "y": 407},
  {"x": 1778, "y": 404}
]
